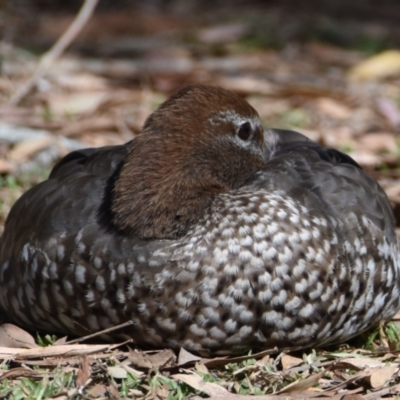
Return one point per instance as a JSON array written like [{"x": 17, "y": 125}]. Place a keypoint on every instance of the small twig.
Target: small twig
[
  {"x": 56, "y": 50},
  {"x": 92, "y": 335}
]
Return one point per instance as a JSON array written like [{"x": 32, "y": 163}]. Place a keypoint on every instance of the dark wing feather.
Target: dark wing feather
[
  {"x": 324, "y": 179},
  {"x": 70, "y": 199}
]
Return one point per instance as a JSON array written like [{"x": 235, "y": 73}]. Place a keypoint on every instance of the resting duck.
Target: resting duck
[{"x": 207, "y": 232}]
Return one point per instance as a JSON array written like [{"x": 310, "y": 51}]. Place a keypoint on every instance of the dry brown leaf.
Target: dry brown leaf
[
  {"x": 14, "y": 337},
  {"x": 24, "y": 150},
  {"x": 60, "y": 341},
  {"x": 289, "y": 361},
  {"x": 186, "y": 357},
  {"x": 98, "y": 390},
  {"x": 84, "y": 372},
  {"x": 266, "y": 360},
  {"x": 162, "y": 359},
  {"x": 113, "y": 392},
  {"x": 160, "y": 392},
  {"x": 380, "y": 376},
  {"x": 196, "y": 382},
  {"x": 134, "y": 393}
]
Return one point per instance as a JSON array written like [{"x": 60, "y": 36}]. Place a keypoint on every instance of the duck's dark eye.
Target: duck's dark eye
[{"x": 245, "y": 131}]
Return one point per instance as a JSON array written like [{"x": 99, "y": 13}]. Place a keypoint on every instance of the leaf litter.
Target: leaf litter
[{"x": 142, "y": 374}]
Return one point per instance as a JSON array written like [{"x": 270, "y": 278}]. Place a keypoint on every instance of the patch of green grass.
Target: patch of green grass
[
  {"x": 369, "y": 344},
  {"x": 347, "y": 148},
  {"x": 33, "y": 177},
  {"x": 12, "y": 187},
  {"x": 383, "y": 167},
  {"x": 345, "y": 35},
  {"x": 296, "y": 117},
  {"x": 37, "y": 389},
  {"x": 46, "y": 340},
  {"x": 9, "y": 182},
  {"x": 392, "y": 332},
  {"x": 24, "y": 180},
  {"x": 259, "y": 41},
  {"x": 155, "y": 385},
  {"x": 387, "y": 334},
  {"x": 370, "y": 44},
  {"x": 396, "y": 150},
  {"x": 48, "y": 114},
  {"x": 176, "y": 390}
]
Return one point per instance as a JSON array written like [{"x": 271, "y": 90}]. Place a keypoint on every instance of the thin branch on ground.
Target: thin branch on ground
[
  {"x": 104, "y": 331},
  {"x": 56, "y": 50}
]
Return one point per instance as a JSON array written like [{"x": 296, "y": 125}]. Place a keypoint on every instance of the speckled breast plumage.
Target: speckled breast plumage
[{"x": 303, "y": 254}]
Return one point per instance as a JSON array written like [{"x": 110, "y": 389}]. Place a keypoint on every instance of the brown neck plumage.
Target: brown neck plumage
[
  {"x": 160, "y": 197},
  {"x": 179, "y": 163}
]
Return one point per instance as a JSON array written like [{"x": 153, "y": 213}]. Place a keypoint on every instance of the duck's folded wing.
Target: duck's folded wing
[{"x": 324, "y": 179}]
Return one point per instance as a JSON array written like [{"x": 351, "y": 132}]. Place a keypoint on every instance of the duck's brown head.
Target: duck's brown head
[{"x": 202, "y": 141}]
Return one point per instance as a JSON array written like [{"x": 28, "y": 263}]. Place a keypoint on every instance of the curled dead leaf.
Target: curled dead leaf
[
  {"x": 186, "y": 357},
  {"x": 14, "y": 337},
  {"x": 380, "y": 376},
  {"x": 84, "y": 372},
  {"x": 289, "y": 361},
  {"x": 98, "y": 390}
]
